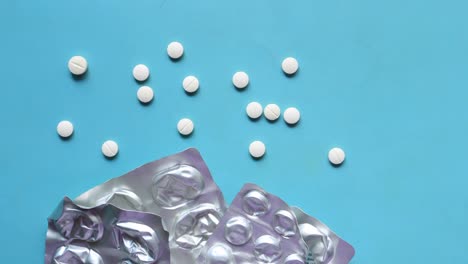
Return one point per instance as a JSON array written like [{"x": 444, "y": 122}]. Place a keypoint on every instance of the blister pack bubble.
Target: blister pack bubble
[
  {"x": 258, "y": 227},
  {"x": 179, "y": 189},
  {"x": 124, "y": 221},
  {"x": 104, "y": 234},
  {"x": 324, "y": 246}
]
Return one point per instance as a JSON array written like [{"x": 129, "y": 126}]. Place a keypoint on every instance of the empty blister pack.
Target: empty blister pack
[
  {"x": 258, "y": 227},
  {"x": 324, "y": 246},
  {"x": 180, "y": 189},
  {"x": 104, "y": 234}
]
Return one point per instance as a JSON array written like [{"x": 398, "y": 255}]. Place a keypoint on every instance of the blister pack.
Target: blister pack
[
  {"x": 171, "y": 211},
  {"x": 258, "y": 227},
  {"x": 179, "y": 189},
  {"x": 104, "y": 234},
  {"x": 324, "y": 246}
]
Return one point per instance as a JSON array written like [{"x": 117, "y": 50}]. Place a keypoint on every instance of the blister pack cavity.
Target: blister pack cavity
[
  {"x": 258, "y": 227},
  {"x": 179, "y": 189},
  {"x": 324, "y": 246},
  {"x": 104, "y": 234}
]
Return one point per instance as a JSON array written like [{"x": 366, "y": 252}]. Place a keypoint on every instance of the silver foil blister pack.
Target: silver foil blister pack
[
  {"x": 179, "y": 189},
  {"x": 258, "y": 227},
  {"x": 324, "y": 246},
  {"x": 104, "y": 234},
  {"x": 171, "y": 211}
]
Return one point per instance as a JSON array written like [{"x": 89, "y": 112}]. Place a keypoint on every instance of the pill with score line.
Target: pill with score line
[
  {"x": 190, "y": 84},
  {"x": 185, "y": 126},
  {"x": 110, "y": 148},
  {"x": 336, "y": 156},
  {"x": 272, "y": 112},
  {"x": 77, "y": 65}
]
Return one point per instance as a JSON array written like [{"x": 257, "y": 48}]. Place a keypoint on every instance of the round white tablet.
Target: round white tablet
[
  {"x": 336, "y": 156},
  {"x": 272, "y": 112},
  {"x": 110, "y": 148},
  {"x": 141, "y": 72},
  {"x": 257, "y": 149},
  {"x": 185, "y": 126},
  {"x": 240, "y": 80},
  {"x": 77, "y": 65},
  {"x": 175, "y": 50},
  {"x": 145, "y": 94},
  {"x": 291, "y": 115},
  {"x": 190, "y": 84},
  {"x": 254, "y": 110},
  {"x": 290, "y": 65},
  {"x": 65, "y": 128}
]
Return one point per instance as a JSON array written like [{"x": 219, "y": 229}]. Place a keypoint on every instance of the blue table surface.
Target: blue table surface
[{"x": 385, "y": 80}]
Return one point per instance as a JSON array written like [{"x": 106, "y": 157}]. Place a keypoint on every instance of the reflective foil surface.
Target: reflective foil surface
[
  {"x": 179, "y": 189},
  {"x": 258, "y": 227},
  {"x": 171, "y": 211},
  {"x": 324, "y": 246},
  {"x": 104, "y": 234}
]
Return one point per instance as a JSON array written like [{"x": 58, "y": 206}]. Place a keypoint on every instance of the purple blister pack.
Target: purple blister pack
[
  {"x": 258, "y": 227},
  {"x": 104, "y": 234},
  {"x": 178, "y": 188}
]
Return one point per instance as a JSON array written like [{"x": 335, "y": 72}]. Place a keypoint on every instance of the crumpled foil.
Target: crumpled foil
[
  {"x": 324, "y": 246},
  {"x": 179, "y": 189},
  {"x": 104, "y": 234},
  {"x": 171, "y": 211}
]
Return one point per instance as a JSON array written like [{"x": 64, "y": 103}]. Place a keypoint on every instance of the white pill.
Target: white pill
[
  {"x": 145, "y": 94},
  {"x": 290, "y": 65},
  {"x": 110, "y": 148},
  {"x": 257, "y": 149},
  {"x": 272, "y": 112},
  {"x": 77, "y": 65},
  {"x": 291, "y": 115},
  {"x": 65, "y": 128},
  {"x": 175, "y": 50},
  {"x": 240, "y": 80},
  {"x": 254, "y": 110},
  {"x": 141, "y": 72},
  {"x": 190, "y": 84},
  {"x": 336, "y": 156},
  {"x": 185, "y": 126}
]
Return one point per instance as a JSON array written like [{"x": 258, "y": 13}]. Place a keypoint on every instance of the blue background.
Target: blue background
[{"x": 385, "y": 80}]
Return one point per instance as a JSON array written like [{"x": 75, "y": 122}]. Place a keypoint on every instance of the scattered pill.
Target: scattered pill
[
  {"x": 77, "y": 65},
  {"x": 145, "y": 94},
  {"x": 290, "y": 65},
  {"x": 257, "y": 149},
  {"x": 254, "y": 110},
  {"x": 110, "y": 148},
  {"x": 141, "y": 72},
  {"x": 175, "y": 50},
  {"x": 185, "y": 126},
  {"x": 240, "y": 80},
  {"x": 291, "y": 115},
  {"x": 65, "y": 128},
  {"x": 191, "y": 84},
  {"x": 272, "y": 112},
  {"x": 336, "y": 156}
]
